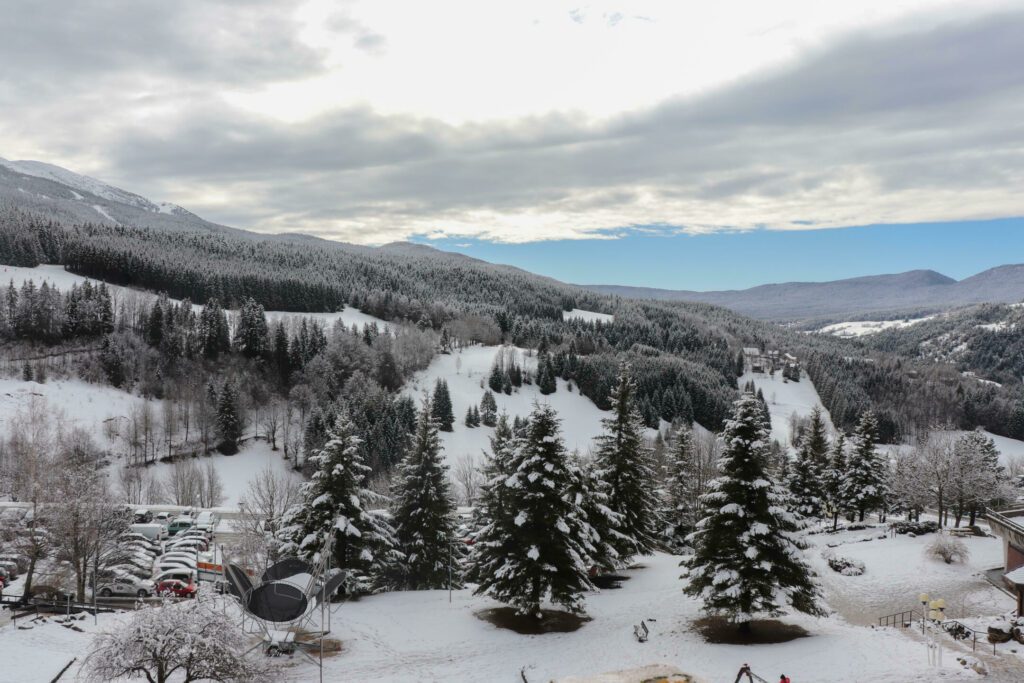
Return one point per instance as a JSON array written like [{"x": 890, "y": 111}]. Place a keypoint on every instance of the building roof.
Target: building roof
[
  {"x": 1016, "y": 576},
  {"x": 751, "y": 351}
]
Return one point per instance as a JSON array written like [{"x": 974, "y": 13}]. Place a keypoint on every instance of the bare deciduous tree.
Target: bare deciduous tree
[{"x": 467, "y": 477}]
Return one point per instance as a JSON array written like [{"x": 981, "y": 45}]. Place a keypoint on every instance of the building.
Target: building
[{"x": 1009, "y": 526}]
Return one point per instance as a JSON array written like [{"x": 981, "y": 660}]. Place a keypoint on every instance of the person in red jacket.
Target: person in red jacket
[{"x": 784, "y": 679}]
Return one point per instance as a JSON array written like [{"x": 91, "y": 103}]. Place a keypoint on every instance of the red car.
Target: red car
[{"x": 176, "y": 588}]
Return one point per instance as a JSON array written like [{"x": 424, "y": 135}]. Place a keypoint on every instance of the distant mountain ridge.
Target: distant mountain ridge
[{"x": 915, "y": 289}]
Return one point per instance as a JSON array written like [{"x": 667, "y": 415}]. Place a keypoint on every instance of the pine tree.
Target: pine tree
[
  {"x": 155, "y": 325},
  {"x": 252, "y": 337},
  {"x": 334, "y": 504},
  {"x": 488, "y": 409},
  {"x": 468, "y": 421},
  {"x": 545, "y": 375},
  {"x": 865, "y": 484},
  {"x": 624, "y": 467},
  {"x": 424, "y": 516},
  {"x": 683, "y": 489},
  {"x": 442, "y": 406},
  {"x": 747, "y": 556},
  {"x": 603, "y": 522},
  {"x": 497, "y": 377},
  {"x": 806, "y": 481},
  {"x": 835, "y": 476},
  {"x": 534, "y": 547},
  {"x": 229, "y": 423}
]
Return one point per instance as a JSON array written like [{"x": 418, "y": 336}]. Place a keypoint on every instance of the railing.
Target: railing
[
  {"x": 901, "y": 619},
  {"x": 961, "y": 631}
]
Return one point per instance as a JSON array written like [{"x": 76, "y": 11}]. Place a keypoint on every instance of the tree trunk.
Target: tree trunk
[
  {"x": 974, "y": 514},
  {"x": 744, "y": 628},
  {"x": 835, "y": 520}
]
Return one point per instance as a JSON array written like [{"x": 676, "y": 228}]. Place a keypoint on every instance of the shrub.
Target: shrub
[
  {"x": 948, "y": 549},
  {"x": 845, "y": 566}
]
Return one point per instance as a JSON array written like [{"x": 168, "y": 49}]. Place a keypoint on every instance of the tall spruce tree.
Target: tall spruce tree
[
  {"x": 865, "y": 484},
  {"x": 603, "y": 522},
  {"x": 747, "y": 559},
  {"x": 334, "y": 504},
  {"x": 488, "y": 409},
  {"x": 442, "y": 406},
  {"x": 625, "y": 469},
  {"x": 229, "y": 421},
  {"x": 683, "y": 486},
  {"x": 535, "y": 546},
  {"x": 252, "y": 337},
  {"x": 424, "y": 516},
  {"x": 806, "y": 478},
  {"x": 834, "y": 479}
]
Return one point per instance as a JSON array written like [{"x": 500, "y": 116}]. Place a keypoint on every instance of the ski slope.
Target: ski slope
[
  {"x": 785, "y": 398},
  {"x": 466, "y": 372}
]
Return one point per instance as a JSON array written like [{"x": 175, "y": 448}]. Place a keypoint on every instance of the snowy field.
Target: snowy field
[
  {"x": 861, "y": 328},
  {"x": 349, "y": 317},
  {"x": 236, "y": 471},
  {"x": 419, "y": 636},
  {"x": 587, "y": 316},
  {"x": 785, "y": 398},
  {"x": 75, "y": 404},
  {"x": 466, "y": 372}
]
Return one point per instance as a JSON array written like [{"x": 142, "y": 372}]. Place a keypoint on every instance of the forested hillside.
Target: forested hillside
[{"x": 686, "y": 357}]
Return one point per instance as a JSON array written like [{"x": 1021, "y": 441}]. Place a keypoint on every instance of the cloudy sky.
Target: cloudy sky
[{"x": 531, "y": 120}]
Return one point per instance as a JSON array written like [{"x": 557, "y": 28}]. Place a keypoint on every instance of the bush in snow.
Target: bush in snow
[
  {"x": 186, "y": 641},
  {"x": 948, "y": 549},
  {"x": 916, "y": 528},
  {"x": 845, "y": 565}
]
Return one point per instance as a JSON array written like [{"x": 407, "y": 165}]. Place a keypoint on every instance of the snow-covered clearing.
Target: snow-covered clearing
[
  {"x": 74, "y": 402},
  {"x": 588, "y": 316},
  {"x": 860, "y": 328},
  {"x": 56, "y": 276},
  {"x": 420, "y": 636},
  {"x": 785, "y": 398},
  {"x": 466, "y": 372},
  {"x": 897, "y": 571},
  {"x": 236, "y": 471},
  {"x": 103, "y": 212},
  {"x": 349, "y": 316}
]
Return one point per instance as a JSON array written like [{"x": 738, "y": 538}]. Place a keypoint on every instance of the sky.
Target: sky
[{"x": 539, "y": 121}]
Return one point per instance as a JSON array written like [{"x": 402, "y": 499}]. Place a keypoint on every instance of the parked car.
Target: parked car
[
  {"x": 177, "y": 588},
  {"x": 189, "y": 542},
  {"x": 10, "y": 567},
  {"x": 22, "y": 561},
  {"x": 206, "y": 521},
  {"x": 154, "y": 532},
  {"x": 129, "y": 536},
  {"x": 140, "y": 588},
  {"x": 176, "y": 563},
  {"x": 162, "y": 518},
  {"x": 5, "y": 580},
  {"x": 178, "y": 573},
  {"x": 179, "y": 524},
  {"x": 143, "y": 516}
]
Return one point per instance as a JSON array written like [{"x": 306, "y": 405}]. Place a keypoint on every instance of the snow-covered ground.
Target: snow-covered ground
[
  {"x": 419, "y": 636},
  {"x": 75, "y": 404},
  {"x": 860, "y": 328},
  {"x": 466, "y": 372},
  {"x": 236, "y": 471},
  {"x": 587, "y": 316},
  {"x": 785, "y": 398},
  {"x": 55, "y": 276},
  {"x": 349, "y": 316}
]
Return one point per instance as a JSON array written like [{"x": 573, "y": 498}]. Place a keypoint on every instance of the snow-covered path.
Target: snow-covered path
[{"x": 785, "y": 398}]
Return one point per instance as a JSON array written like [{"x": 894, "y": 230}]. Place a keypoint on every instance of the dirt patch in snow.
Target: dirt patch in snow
[
  {"x": 721, "y": 631},
  {"x": 551, "y": 621}
]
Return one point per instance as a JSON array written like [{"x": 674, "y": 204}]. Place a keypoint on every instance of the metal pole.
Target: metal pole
[{"x": 449, "y": 572}]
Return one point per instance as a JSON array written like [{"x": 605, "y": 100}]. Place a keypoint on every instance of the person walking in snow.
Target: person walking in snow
[
  {"x": 784, "y": 679},
  {"x": 745, "y": 669}
]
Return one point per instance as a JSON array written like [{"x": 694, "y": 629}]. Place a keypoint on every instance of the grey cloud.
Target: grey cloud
[{"x": 936, "y": 110}]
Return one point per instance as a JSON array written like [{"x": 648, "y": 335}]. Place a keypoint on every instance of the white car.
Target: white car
[
  {"x": 176, "y": 563},
  {"x": 123, "y": 585},
  {"x": 180, "y": 573}
]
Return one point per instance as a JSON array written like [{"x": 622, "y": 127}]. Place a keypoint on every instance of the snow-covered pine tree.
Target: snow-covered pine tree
[
  {"x": 624, "y": 467},
  {"x": 806, "y": 475},
  {"x": 545, "y": 375},
  {"x": 468, "y": 420},
  {"x": 334, "y": 499},
  {"x": 603, "y": 521},
  {"x": 683, "y": 486},
  {"x": 747, "y": 557},
  {"x": 533, "y": 547},
  {"x": 835, "y": 476},
  {"x": 865, "y": 485},
  {"x": 442, "y": 406},
  {"x": 229, "y": 422},
  {"x": 495, "y": 470},
  {"x": 252, "y": 337},
  {"x": 488, "y": 409},
  {"x": 424, "y": 516}
]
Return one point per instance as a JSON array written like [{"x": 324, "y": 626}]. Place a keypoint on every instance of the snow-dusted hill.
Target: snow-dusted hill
[{"x": 466, "y": 372}]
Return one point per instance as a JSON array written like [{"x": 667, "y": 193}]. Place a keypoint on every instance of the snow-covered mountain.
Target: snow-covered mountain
[{"x": 66, "y": 196}]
